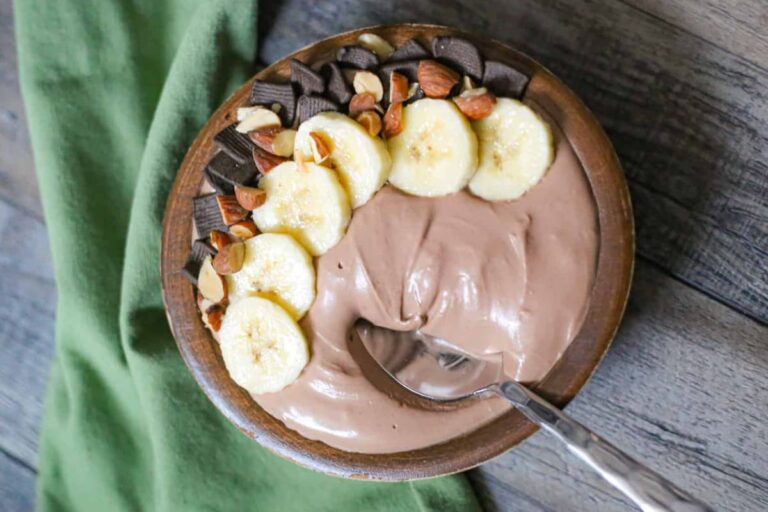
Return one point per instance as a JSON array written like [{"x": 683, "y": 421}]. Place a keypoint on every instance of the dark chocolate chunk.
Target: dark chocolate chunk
[
  {"x": 338, "y": 88},
  {"x": 236, "y": 144},
  {"x": 267, "y": 93},
  {"x": 504, "y": 80},
  {"x": 357, "y": 57},
  {"x": 409, "y": 50},
  {"x": 306, "y": 80},
  {"x": 460, "y": 54},
  {"x": 200, "y": 249},
  {"x": 408, "y": 68},
  {"x": 224, "y": 172},
  {"x": 308, "y": 106},
  {"x": 207, "y": 215},
  {"x": 419, "y": 94}
]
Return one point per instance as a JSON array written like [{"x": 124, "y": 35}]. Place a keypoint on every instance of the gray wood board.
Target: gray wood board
[
  {"x": 689, "y": 118},
  {"x": 683, "y": 389}
]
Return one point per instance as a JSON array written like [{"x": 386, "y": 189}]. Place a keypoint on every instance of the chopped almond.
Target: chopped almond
[
  {"x": 398, "y": 87},
  {"x": 211, "y": 285},
  {"x": 370, "y": 121},
  {"x": 229, "y": 259},
  {"x": 435, "y": 79},
  {"x": 265, "y": 161},
  {"x": 219, "y": 239},
  {"x": 393, "y": 120},
  {"x": 230, "y": 209},
  {"x": 250, "y": 198},
  {"x": 213, "y": 317},
  {"x": 360, "y": 103},
  {"x": 476, "y": 104},
  {"x": 244, "y": 229},
  {"x": 320, "y": 149}
]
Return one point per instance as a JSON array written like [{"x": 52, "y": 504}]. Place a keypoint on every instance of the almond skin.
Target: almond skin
[
  {"x": 476, "y": 106},
  {"x": 275, "y": 140},
  {"x": 393, "y": 120},
  {"x": 229, "y": 259},
  {"x": 230, "y": 209},
  {"x": 220, "y": 239},
  {"x": 436, "y": 80},
  {"x": 214, "y": 316},
  {"x": 265, "y": 161},
  {"x": 244, "y": 229},
  {"x": 361, "y": 103},
  {"x": 398, "y": 87},
  {"x": 370, "y": 121},
  {"x": 250, "y": 198},
  {"x": 320, "y": 149}
]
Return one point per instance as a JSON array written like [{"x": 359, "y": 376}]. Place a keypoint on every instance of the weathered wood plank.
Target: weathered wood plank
[
  {"x": 689, "y": 119},
  {"x": 683, "y": 389},
  {"x": 17, "y": 178},
  {"x": 27, "y": 305},
  {"x": 17, "y": 485}
]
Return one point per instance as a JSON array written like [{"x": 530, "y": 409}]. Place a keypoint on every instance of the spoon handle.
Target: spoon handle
[{"x": 649, "y": 490}]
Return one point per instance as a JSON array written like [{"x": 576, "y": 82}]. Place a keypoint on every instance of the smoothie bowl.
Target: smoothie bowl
[{"x": 416, "y": 177}]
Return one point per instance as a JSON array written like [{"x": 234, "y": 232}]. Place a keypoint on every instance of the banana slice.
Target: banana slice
[
  {"x": 308, "y": 204},
  {"x": 516, "y": 149},
  {"x": 263, "y": 348},
  {"x": 436, "y": 153},
  {"x": 278, "y": 268},
  {"x": 361, "y": 160}
]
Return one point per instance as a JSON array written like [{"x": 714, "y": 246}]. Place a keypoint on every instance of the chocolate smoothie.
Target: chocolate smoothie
[{"x": 512, "y": 277}]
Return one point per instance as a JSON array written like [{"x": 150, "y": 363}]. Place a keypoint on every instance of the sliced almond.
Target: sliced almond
[
  {"x": 264, "y": 161},
  {"x": 213, "y": 316},
  {"x": 320, "y": 148},
  {"x": 393, "y": 120},
  {"x": 476, "y": 104},
  {"x": 367, "y": 82},
  {"x": 250, "y": 198},
  {"x": 361, "y": 103},
  {"x": 243, "y": 112},
  {"x": 436, "y": 80},
  {"x": 244, "y": 229},
  {"x": 211, "y": 285},
  {"x": 259, "y": 118},
  {"x": 398, "y": 87},
  {"x": 414, "y": 87},
  {"x": 376, "y": 44},
  {"x": 371, "y": 121},
  {"x": 220, "y": 239},
  {"x": 467, "y": 84},
  {"x": 230, "y": 209},
  {"x": 274, "y": 139},
  {"x": 229, "y": 259}
]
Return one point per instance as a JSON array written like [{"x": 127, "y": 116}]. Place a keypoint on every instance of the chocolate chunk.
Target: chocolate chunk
[
  {"x": 409, "y": 50},
  {"x": 308, "y": 106},
  {"x": 306, "y": 80},
  {"x": 459, "y": 53},
  {"x": 200, "y": 249},
  {"x": 207, "y": 215},
  {"x": 267, "y": 93},
  {"x": 236, "y": 144},
  {"x": 224, "y": 172},
  {"x": 408, "y": 68},
  {"x": 419, "y": 94},
  {"x": 357, "y": 57},
  {"x": 338, "y": 88},
  {"x": 504, "y": 80}
]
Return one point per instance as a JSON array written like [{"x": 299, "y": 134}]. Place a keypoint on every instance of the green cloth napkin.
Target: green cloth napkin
[{"x": 115, "y": 91}]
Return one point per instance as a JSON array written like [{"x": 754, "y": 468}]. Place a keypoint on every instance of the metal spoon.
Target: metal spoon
[{"x": 434, "y": 369}]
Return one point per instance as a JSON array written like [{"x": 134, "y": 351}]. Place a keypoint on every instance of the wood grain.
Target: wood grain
[
  {"x": 683, "y": 388},
  {"x": 688, "y": 118},
  {"x": 201, "y": 352}
]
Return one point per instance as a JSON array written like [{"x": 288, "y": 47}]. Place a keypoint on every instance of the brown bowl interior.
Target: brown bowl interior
[{"x": 201, "y": 352}]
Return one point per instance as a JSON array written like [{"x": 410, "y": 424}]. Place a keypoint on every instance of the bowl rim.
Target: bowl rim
[{"x": 609, "y": 295}]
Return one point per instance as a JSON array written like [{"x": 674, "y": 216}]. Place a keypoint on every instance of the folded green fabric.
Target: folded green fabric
[{"x": 115, "y": 92}]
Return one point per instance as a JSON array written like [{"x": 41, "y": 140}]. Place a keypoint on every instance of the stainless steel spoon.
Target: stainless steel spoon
[{"x": 434, "y": 369}]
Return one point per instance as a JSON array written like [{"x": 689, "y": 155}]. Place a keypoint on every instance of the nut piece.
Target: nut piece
[
  {"x": 211, "y": 285},
  {"x": 257, "y": 118},
  {"x": 467, "y": 84},
  {"x": 370, "y": 121},
  {"x": 230, "y": 209},
  {"x": 264, "y": 161},
  {"x": 367, "y": 82},
  {"x": 393, "y": 120},
  {"x": 274, "y": 139},
  {"x": 299, "y": 159},
  {"x": 435, "y": 79},
  {"x": 476, "y": 104},
  {"x": 376, "y": 44},
  {"x": 220, "y": 239},
  {"x": 230, "y": 258},
  {"x": 250, "y": 198},
  {"x": 360, "y": 103},
  {"x": 213, "y": 316},
  {"x": 244, "y": 229},
  {"x": 398, "y": 87},
  {"x": 320, "y": 149}
]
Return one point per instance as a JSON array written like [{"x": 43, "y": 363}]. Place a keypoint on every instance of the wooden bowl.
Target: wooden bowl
[{"x": 614, "y": 273}]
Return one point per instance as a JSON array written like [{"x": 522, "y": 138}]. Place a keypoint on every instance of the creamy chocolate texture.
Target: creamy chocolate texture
[{"x": 512, "y": 277}]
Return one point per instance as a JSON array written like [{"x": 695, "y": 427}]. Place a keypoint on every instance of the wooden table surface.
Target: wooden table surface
[{"x": 682, "y": 89}]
